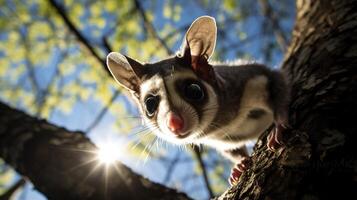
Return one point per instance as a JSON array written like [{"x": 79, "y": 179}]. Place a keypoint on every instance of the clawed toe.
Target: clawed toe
[
  {"x": 238, "y": 169},
  {"x": 235, "y": 174},
  {"x": 275, "y": 140}
]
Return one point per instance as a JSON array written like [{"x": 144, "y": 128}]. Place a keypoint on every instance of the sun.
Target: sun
[{"x": 106, "y": 153}]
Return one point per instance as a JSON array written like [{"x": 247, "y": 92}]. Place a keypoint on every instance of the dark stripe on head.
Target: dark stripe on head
[{"x": 256, "y": 113}]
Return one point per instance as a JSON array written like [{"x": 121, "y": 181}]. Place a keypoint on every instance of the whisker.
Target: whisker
[
  {"x": 158, "y": 143},
  {"x": 223, "y": 130},
  {"x": 141, "y": 131},
  {"x": 146, "y": 127},
  {"x": 201, "y": 133},
  {"x": 147, "y": 132},
  {"x": 146, "y": 149},
  {"x": 140, "y": 140},
  {"x": 150, "y": 149}
]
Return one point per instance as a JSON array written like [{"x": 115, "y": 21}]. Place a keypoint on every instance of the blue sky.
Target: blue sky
[{"x": 83, "y": 113}]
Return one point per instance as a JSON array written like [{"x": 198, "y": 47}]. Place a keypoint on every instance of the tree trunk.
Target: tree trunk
[
  {"x": 319, "y": 159},
  {"x": 317, "y": 162},
  {"x": 61, "y": 164}
]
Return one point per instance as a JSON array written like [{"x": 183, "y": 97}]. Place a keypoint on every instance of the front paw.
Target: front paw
[
  {"x": 238, "y": 169},
  {"x": 275, "y": 139}
]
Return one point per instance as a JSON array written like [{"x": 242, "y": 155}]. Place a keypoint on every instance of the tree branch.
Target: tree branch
[
  {"x": 60, "y": 10},
  {"x": 63, "y": 165},
  {"x": 318, "y": 160}
]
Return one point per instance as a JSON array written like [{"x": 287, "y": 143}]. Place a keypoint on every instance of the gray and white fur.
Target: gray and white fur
[{"x": 187, "y": 100}]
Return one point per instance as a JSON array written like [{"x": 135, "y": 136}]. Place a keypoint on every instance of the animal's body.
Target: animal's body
[{"x": 187, "y": 100}]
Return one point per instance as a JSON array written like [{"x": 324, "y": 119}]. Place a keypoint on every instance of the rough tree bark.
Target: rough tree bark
[
  {"x": 62, "y": 164},
  {"x": 318, "y": 161}
]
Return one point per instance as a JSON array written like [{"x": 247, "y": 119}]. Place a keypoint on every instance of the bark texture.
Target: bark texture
[
  {"x": 319, "y": 159},
  {"x": 61, "y": 164}
]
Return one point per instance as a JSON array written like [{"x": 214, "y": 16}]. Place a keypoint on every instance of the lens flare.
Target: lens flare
[{"x": 106, "y": 153}]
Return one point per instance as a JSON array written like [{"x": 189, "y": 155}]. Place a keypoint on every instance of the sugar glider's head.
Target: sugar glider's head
[{"x": 176, "y": 96}]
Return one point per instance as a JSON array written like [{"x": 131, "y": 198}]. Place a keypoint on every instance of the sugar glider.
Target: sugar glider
[{"x": 188, "y": 100}]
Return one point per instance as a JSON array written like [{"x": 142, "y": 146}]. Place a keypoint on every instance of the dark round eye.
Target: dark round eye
[
  {"x": 151, "y": 103},
  {"x": 194, "y": 92}
]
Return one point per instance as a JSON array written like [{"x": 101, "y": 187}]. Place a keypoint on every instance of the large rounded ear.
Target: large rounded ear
[
  {"x": 126, "y": 71},
  {"x": 199, "y": 43}
]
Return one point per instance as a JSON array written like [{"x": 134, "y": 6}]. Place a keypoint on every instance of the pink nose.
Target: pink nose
[{"x": 175, "y": 123}]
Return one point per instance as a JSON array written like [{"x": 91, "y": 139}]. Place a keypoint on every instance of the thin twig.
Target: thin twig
[
  {"x": 46, "y": 91},
  {"x": 8, "y": 194},
  {"x": 106, "y": 45},
  {"x": 176, "y": 31},
  {"x": 268, "y": 12},
  {"x": 102, "y": 113},
  {"x": 61, "y": 11},
  {"x": 240, "y": 43},
  {"x": 171, "y": 167},
  {"x": 29, "y": 65},
  {"x": 204, "y": 172},
  {"x": 150, "y": 27}
]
